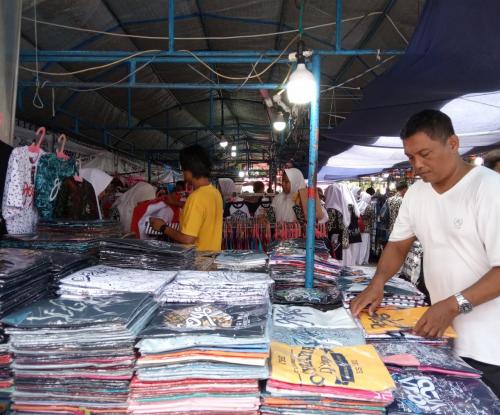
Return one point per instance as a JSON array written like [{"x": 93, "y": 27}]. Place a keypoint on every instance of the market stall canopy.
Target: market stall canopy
[
  {"x": 365, "y": 160},
  {"x": 450, "y": 64}
]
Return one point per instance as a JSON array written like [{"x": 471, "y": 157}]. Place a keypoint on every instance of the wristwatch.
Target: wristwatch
[{"x": 464, "y": 306}]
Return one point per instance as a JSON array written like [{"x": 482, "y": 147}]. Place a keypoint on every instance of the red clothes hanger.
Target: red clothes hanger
[
  {"x": 60, "y": 153},
  {"x": 36, "y": 147}
]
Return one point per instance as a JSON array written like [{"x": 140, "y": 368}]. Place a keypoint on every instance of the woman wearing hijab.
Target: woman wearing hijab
[
  {"x": 291, "y": 205},
  {"x": 343, "y": 226},
  {"x": 367, "y": 216}
]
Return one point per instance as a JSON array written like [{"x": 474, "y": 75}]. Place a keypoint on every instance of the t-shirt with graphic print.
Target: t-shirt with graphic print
[
  {"x": 50, "y": 174},
  {"x": 18, "y": 207}
]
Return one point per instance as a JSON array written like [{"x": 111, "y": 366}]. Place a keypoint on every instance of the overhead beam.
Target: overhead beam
[
  {"x": 364, "y": 41},
  {"x": 142, "y": 85}
]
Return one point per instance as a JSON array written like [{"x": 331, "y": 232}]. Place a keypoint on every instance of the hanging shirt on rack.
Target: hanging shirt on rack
[
  {"x": 76, "y": 201},
  {"x": 18, "y": 207},
  {"x": 50, "y": 174},
  {"x": 5, "y": 151},
  {"x": 237, "y": 209}
]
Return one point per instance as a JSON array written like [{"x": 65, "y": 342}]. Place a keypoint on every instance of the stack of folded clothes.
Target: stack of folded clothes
[
  {"x": 326, "y": 381},
  {"x": 241, "y": 261},
  {"x": 431, "y": 393},
  {"x": 306, "y": 326},
  {"x": 6, "y": 380},
  {"x": 203, "y": 359},
  {"x": 93, "y": 228},
  {"x": 76, "y": 356},
  {"x": 287, "y": 262},
  {"x": 150, "y": 255},
  {"x": 323, "y": 298},
  {"x": 102, "y": 281},
  {"x": 232, "y": 287},
  {"x": 66, "y": 263},
  {"x": 397, "y": 324},
  {"x": 63, "y": 235},
  {"x": 24, "y": 279},
  {"x": 397, "y": 292},
  {"x": 433, "y": 380}
]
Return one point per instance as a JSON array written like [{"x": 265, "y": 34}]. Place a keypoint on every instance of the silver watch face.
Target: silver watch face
[{"x": 465, "y": 307}]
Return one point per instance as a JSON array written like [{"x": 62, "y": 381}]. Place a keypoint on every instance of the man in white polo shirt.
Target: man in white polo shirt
[{"x": 455, "y": 213}]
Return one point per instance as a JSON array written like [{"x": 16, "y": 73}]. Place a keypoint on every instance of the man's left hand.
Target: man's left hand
[{"x": 437, "y": 319}]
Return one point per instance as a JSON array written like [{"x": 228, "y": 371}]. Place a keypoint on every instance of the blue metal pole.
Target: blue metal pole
[
  {"x": 338, "y": 27},
  {"x": 140, "y": 85},
  {"x": 213, "y": 56},
  {"x": 311, "y": 180},
  {"x": 171, "y": 27}
]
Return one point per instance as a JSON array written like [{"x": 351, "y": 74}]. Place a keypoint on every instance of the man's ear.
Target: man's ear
[{"x": 454, "y": 142}]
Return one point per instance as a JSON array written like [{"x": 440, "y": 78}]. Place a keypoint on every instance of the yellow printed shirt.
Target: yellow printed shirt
[
  {"x": 354, "y": 367},
  {"x": 386, "y": 320},
  {"x": 202, "y": 218}
]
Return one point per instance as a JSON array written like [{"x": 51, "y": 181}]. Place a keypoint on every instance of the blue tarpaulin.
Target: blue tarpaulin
[{"x": 452, "y": 63}]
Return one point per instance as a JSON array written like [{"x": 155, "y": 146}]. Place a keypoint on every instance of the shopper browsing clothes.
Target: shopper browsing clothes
[
  {"x": 291, "y": 205},
  {"x": 455, "y": 213},
  {"x": 201, "y": 220}
]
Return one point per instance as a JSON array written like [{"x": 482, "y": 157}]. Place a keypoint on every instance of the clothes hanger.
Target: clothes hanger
[
  {"x": 60, "y": 153},
  {"x": 36, "y": 147}
]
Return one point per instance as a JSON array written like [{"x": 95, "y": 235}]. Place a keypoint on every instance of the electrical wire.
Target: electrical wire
[
  {"x": 37, "y": 100},
  {"x": 94, "y": 68},
  {"x": 258, "y": 35},
  {"x": 140, "y": 68},
  {"x": 240, "y": 78},
  {"x": 359, "y": 76}
]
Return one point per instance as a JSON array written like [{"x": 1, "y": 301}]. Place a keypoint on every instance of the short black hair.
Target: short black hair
[
  {"x": 370, "y": 191},
  {"x": 196, "y": 160},
  {"x": 436, "y": 124},
  {"x": 492, "y": 158},
  {"x": 401, "y": 186},
  {"x": 258, "y": 187}
]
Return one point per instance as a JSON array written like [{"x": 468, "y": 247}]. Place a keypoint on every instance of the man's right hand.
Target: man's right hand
[{"x": 371, "y": 297}]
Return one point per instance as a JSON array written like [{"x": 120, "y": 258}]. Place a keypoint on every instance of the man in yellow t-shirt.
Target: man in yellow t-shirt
[{"x": 201, "y": 219}]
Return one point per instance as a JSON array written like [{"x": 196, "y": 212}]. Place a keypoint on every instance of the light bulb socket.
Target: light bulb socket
[{"x": 300, "y": 52}]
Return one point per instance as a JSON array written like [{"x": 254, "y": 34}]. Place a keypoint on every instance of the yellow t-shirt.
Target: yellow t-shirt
[{"x": 202, "y": 218}]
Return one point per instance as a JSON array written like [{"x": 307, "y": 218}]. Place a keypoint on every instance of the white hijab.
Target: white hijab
[
  {"x": 364, "y": 201},
  {"x": 99, "y": 181},
  {"x": 128, "y": 201},
  {"x": 355, "y": 190},
  {"x": 338, "y": 196},
  {"x": 283, "y": 203},
  {"x": 227, "y": 188}
]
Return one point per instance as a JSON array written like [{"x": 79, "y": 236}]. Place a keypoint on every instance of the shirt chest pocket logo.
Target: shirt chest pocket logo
[{"x": 458, "y": 223}]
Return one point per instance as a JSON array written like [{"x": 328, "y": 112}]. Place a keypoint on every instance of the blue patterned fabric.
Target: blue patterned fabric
[{"x": 51, "y": 173}]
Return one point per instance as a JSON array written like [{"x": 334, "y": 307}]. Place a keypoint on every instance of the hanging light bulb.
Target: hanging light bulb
[
  {"x": 478, "y": 161},
  {"x": 241, "y": 174},
  {"x": 223, "y": 144},
  {"x": 233, "y": 153},
  {"x": 279, "y": 123},
  {"x": 233, "y": 148},
  {"x": 301, "y": 87}
]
